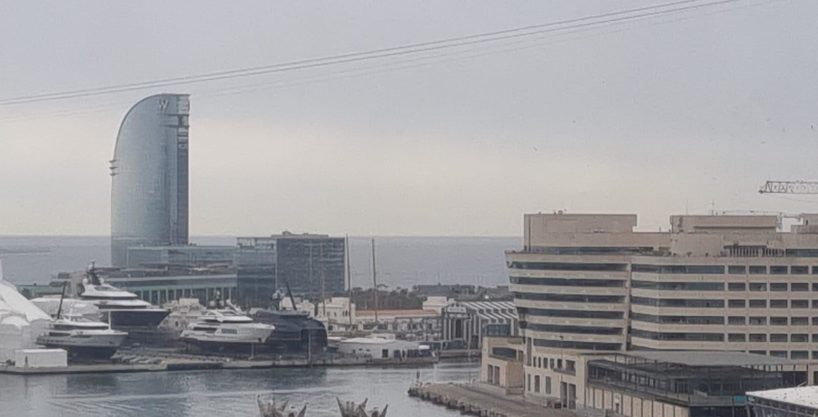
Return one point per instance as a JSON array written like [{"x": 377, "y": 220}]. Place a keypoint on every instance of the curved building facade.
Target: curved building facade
[
  {"x": 149, "y": 170},
  {"x": 590, "y": 283}
]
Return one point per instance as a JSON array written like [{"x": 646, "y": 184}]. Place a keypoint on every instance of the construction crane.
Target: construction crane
[{"x": 789, "y": 187}]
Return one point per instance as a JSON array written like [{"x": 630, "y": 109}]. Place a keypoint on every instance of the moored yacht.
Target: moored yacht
[
  {"x": 120, "y": 308},
  {"x": 226, "y": 330},
  {"x": 82, "y": 337}
]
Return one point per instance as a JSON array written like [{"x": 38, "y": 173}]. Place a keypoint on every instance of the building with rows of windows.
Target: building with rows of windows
[{"x": 591, "y": 283}]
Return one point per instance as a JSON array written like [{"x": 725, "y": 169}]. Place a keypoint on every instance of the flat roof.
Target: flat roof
[
  {"x": 801, "y": 396},
  {"x": 708, "y": 358}
]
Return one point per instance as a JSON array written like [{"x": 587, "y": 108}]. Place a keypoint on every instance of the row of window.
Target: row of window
[
  {"x": 669, "y": 286},
  {"x": 570, "y": 344},
  {"x": 568, "y": 282},
  {"x": 571, "y": 329},
  {"x": 730, "y": 337},
  {"x": 536, "y": 386},
  {"x": 777, "y": 303},
  {"x": 567, "y": 266},
  {"x": 578, "y": 314},
  {"x": 570, "y": 298},
  {"x": 794, "y": 354},
  {"x": 717, "y": 303},
  {"x": 669, "y": 269},
  {"x": 720, "y": 320}
]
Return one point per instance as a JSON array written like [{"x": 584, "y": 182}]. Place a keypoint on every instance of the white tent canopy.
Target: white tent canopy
[{"x": 20, "y": 321}]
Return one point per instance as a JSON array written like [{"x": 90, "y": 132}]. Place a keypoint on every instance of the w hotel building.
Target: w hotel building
[{"x": 589, "y": 282}]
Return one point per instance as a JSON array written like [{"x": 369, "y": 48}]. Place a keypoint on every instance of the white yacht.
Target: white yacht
[
  {"x": 226, "y": 329},
  {"x": 82, "y": 337},
  {"x": 118, "y": 307}
]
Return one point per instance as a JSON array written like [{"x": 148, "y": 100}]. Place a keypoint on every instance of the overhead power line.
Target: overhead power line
[{"x": 395, "y": 51}]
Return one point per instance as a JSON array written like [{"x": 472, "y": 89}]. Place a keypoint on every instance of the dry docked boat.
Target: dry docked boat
[
  {"x": 226, "y": 330},
  {"x": 81, "y": 337},
  {"x": 121, "y": 308}
]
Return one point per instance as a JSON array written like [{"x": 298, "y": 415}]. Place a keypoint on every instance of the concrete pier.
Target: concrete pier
[
  {"x": 155, "y": 362},
  {"x": 481, "y": 401}
]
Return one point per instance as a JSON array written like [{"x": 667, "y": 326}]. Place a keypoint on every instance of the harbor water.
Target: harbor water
[{"x": 223, "y": 393}]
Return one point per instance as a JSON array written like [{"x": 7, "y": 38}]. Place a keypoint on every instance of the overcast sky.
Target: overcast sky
[{"x": 655, "y": 117}]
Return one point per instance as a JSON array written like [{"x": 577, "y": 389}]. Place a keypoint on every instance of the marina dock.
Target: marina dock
[
  {"x": 155, "y": 363},
  {"x": 478, "y": 400}
]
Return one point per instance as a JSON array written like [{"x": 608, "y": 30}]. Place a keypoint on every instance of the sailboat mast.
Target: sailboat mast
[
  {"x": 374, "y": 282},
  {"x": 62, "y": 297},
  {"x": 349, "y": 281}
]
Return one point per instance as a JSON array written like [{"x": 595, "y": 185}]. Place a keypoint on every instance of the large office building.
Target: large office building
[
  {"x": 149, "y": 190},
  {"x": 312, "y": 265},
  {"x": 590, "y": 282}
]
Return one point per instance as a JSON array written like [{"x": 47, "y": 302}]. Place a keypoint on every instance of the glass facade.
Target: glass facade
[{"x": 149, "y": 170}]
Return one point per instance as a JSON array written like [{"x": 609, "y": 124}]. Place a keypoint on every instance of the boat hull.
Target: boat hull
[
  {"x": 123, "y": 319},
  {"x": 97, "y": 347}
]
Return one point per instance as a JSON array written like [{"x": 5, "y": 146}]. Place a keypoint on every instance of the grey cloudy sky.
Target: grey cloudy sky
[{"x": 691, "y": 110}]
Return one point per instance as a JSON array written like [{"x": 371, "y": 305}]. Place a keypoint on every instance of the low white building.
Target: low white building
[
  {"x": 40, "y": 358},
  {"x": 381, "y": 348},
  {"x": 337, "y": 313},
  {"x": 20, "y": 322}
]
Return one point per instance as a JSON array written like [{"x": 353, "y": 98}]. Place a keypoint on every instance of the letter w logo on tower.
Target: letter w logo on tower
[{"x": 163, "y": 104}]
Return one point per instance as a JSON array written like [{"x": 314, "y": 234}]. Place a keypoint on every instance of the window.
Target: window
[
  {"x": 815, "y": 321},
  {"x": 799, "y": 321},
  {"x": 815, "y": 338},
  {"x": 778, "y": 286},
  {"x": 736, "y": 286},
  {"x": 814, "y": 303},
  {"x": 551, "y": 362},
  {"x": 799, "y": 269},
  {"x": 778, "y": 354},
  {"x": 815, "y": 286},
  {"x": 778, "y": 321},
  {"x": 548, "y": 385},
  {"x": 758, "y": 321},
  {"x": 799, "y": 338},
  {"x": 758, "y": 269},
  {"x": 758, "y": 337},
  {"x": 778, "y": 303},
  {"x": 758, "y": 286},
  {"x": 799, "y": 286},
  {"x": 737, "y": 320},
  {"x": 778, "y": 338},
  {"x": 799, "y": 354},
  {"x": 799, "y": 303},
  {"x": 736, "y": 269},
  {"x": 778, "y": 270},
  {"x": 759, "y": 352},
  {"x": 736, "y": 337},
  {"x": 536, "y": 383},
  {"x": 758, "y": 303}
]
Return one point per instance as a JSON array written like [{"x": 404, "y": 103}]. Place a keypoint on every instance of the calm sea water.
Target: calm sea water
[
  {"x": 402, "y": 261},
  {"x": 227, "y": 393}
]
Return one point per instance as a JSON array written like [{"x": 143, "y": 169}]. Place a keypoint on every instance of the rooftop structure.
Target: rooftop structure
[
  {"x": 149, "y": 170},
  {"x": 470, "y": 322},
  {"x": 804, "y": 397}
]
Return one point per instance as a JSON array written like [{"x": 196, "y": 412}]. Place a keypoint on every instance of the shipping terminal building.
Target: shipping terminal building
[{"x": 585, "y": 284}]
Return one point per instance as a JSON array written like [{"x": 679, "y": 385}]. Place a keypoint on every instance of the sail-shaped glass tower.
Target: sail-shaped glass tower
[{"x": 149, "y": 187}]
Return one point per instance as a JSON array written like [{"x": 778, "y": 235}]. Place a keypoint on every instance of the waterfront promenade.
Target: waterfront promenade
[{"x": 483, "y": 401}]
